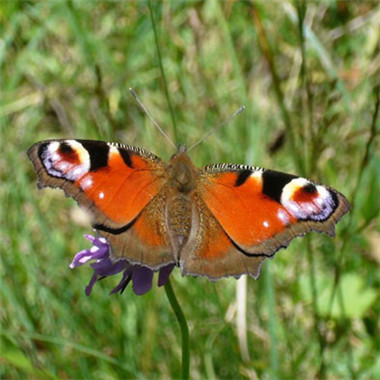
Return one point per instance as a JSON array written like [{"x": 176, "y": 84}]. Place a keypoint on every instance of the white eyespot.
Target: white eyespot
[
  {"x": 290, "y": 188},
  {"x": 52, "y": 149},
  {"x": 318, "y": 207},
  {"x": 56, "y": 165},
  {"x": 63, "y": 166},
  {"x": 293, "y": 206},
  {"x": 323, "y": 193},
  {"x": 319, "y": 201},
  {"x": 86, "y": 182},
  {"x": 77, "y": 172},
  {"x": 283, "y": 216},
  {"x": 265, "y": 224},
  {"x": 101, "y": 195}
]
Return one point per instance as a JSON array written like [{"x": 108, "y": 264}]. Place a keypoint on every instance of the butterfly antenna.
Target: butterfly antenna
[
  {"x": 213, "y": 130},
  {"x": 150, "y": 117}
]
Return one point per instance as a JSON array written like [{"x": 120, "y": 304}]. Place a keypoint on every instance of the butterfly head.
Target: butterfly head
[{"x": 181, "y": 149}]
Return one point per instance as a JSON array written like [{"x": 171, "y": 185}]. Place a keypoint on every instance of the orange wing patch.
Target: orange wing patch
[
  {"x": 210, "y": 252},
  {"x": 119, "y": 191},
  {"x": 151, "y": 231},
  {"x": 146, "y": 241},
  {"x": 247, "y": 215}
]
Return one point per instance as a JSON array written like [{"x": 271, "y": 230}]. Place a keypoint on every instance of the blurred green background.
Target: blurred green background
[{"x": 309, "y": 76}]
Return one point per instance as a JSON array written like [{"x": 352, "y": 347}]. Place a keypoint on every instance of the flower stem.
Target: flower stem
[{"x": 184, "y": 329}]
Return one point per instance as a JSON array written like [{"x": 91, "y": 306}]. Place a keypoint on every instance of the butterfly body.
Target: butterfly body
[
  {"x": 180, "y": 213},
  {"x": 220, "y": 220}
]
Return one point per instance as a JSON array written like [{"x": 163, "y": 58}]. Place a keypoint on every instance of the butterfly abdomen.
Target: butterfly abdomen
[{"x": 179, "y": 219}]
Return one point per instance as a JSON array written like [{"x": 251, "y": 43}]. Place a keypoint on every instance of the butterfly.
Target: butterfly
[{"x": 217, "y": 221}]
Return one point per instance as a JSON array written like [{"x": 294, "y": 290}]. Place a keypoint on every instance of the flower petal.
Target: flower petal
[
  {"x": 100, "y": 242},
  {"x": 142, "y": 280},
  {"x": 164, "y": 274},
  {"x": 127, "y": 277},
  {"x": 91, "y": 284},
  {"x": 106, "y": 267},
  {"x": 96, "y": 252},
  {"x": 89, "y": 237},
  {"x": 81, "y": 258}
]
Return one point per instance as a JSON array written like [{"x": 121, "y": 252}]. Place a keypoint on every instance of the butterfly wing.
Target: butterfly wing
[
  {"x": 260, "y": 211},
  {"x": 117, "y": 185},
  {"x": 209, "y": 250}
]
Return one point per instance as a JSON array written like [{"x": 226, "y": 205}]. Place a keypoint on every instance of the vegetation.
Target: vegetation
[{"x": 309, "y": 76}]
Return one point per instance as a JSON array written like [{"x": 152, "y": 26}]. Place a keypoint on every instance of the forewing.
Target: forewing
[
  {"x": 263, "y": 210},
  {"x": 119, "y": 185},
  {"x": 113, "y": 182}
]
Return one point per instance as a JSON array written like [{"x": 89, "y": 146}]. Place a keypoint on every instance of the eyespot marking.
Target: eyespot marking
[
  {"x": 65, "y": 148},
  {"x": 67, "y": 159},
  {"x": 310, "y": 188},
  {"x": 307, "y": 201}
]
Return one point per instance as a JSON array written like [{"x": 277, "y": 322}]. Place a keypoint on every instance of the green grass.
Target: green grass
[{"x": 309, "y": 72}]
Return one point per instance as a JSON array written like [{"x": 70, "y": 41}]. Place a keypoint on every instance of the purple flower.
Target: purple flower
[{"x": 103, "y": 266}]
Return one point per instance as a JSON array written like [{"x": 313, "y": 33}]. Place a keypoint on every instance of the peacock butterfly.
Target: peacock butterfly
[{"x": 220, "y": 220}]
